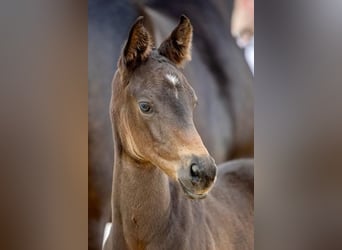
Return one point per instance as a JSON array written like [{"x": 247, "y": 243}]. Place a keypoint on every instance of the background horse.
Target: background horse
[{"x": 218, "y": 72}]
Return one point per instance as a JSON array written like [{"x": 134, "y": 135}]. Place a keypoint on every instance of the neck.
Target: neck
[{"x": 141, "y": 200}]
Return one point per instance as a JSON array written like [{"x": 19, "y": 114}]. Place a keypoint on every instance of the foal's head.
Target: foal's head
[{"x": 152, "y": 109}]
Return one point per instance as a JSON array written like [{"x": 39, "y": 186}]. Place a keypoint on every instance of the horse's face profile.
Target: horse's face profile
[{"x": 152, "y": 109}]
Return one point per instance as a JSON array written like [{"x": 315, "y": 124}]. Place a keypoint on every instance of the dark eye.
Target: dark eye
[{"x": 145, "y": 107}]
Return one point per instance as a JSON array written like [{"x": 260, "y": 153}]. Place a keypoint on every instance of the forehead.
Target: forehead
[
  {"x": 157, "y": 69},
  {"x": 172, "y": 78},
  {"x": 158, "y": 74}
]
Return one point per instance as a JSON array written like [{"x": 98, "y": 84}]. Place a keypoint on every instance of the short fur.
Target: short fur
[
  {"x": 218, "y": 73},
  {"x": 149, "y": 208}
]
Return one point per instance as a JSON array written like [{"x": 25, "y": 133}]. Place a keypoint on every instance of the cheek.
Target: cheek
[
  {"x": 148, "y": 135},
  {"x": 142, "y": 133},
  {"x": 165, "y": 146},
  {"x": 159, "y": 141},
  {"x": 156, "y": 132}
]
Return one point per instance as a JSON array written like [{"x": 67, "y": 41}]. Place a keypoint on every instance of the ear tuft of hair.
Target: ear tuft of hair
[
  {"x": 138, "y": 46},
  {"x": 177, "y": 47}
]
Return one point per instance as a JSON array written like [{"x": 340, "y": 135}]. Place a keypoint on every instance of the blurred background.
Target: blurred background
[
  {"x": 221, "y": 73},
  {"x": 45, "y": 50}
]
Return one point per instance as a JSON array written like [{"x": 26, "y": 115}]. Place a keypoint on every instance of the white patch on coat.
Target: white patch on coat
[{"x": 172, "y": 78}]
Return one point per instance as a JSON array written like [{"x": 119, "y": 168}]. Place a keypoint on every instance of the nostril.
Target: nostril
[{"x": 194, "y": 170}]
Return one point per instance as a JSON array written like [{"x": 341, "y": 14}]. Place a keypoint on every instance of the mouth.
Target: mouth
[{"x": 190, "y": 194}]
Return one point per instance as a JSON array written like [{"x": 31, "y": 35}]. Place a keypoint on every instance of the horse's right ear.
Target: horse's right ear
[{"x": 138, "y": 46}]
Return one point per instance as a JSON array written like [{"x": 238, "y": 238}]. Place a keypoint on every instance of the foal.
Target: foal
[{"x": 162, "y": 170}]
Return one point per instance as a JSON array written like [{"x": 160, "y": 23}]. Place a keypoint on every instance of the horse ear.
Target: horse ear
[
  {"x": 138, "y": 46},
  {"x": 177, "y": 47}
]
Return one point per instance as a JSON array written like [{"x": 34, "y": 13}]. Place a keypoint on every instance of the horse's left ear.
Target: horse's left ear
[{"x": 177, "y": 47}]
